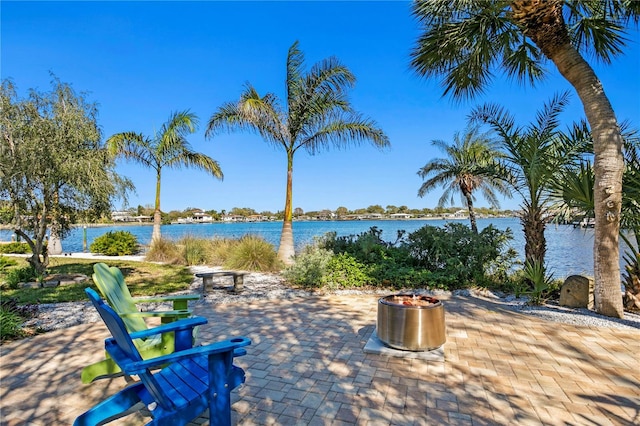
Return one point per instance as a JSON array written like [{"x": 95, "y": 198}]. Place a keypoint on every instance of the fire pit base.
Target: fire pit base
[{"x": 375, "y": 346}]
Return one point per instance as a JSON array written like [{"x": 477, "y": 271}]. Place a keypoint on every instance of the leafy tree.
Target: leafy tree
[
  {"x": 298, "y": 211},
  {"x": 467, "y": 41},
  {"x": 375, "y": 209},
  {"x": 468, "y": 167},
  {"x": 53, "y": 165},
  {"x": 166, "y": 148},
  {"x": 533, "y": 158},
  {"x": 317, "y": 115},
  {"x": 342, "y": 211},
  {"x": 243, "y": 211}
]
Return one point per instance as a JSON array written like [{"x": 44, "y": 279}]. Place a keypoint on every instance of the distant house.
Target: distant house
[
  {"x": 233, "y": 218},
  {"x": 142, "y": 218},
  {"x": 201, "y": 217},
  {"x": 400, "y": 216},
  {"x": 460, "y": 214},
  {"x": 122, "y": 216}
]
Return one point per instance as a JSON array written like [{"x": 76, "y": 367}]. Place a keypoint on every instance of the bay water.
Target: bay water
[{"x": 569, "y": 249}]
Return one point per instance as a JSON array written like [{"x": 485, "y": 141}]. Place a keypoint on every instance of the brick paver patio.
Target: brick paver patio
[{"x": 306, "y": 366}]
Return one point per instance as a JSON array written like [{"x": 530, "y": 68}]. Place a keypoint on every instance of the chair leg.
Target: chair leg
[
  {"x": 219, "y": 389},
  {"x": 112, "y": 407}
]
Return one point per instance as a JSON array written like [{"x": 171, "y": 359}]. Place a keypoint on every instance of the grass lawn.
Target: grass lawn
[{"x": 142, "y": 278}]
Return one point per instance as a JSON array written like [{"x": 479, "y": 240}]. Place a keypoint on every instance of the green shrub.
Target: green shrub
[
  {"x": 14, "y": 276},
  {"x": 459, "y": 256},
  {"x": 345, "y": 271},
  {"x": 368, "y": 247},
  {"x": 10, "y": 324},
  {"x": 253, "y": 253},
  {"x": 219, "y": 249},
  {"x": 15, "y": 248},
  {"x": 115, "y": 243},
  {"x": 12, "y": 316},
  {"x": 165, "y": 251},
  {"x": 195, "y": 251},
  {"x": 535, "y": 273},
  {"x": 5, "y": 262},
  {"x": 310, "y": 266}
]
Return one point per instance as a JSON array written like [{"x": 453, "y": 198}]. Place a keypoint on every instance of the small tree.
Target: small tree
[
  {"x": 53, "y": 165},
  {"x": 167, "y": 148},
  {"x": 533, "y": 158},
  {"x": 468, "y": 167}
]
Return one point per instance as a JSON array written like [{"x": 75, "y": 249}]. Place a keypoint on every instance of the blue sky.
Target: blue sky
[{"x": 142, "y": 61}]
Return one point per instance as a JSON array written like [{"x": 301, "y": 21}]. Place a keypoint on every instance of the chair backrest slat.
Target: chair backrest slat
[{"x": 111, "y": 284}]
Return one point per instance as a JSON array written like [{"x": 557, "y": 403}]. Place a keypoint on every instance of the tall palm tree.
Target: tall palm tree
[
  {"x": 317, "y": 115},
  {"x": 466, "y": 41},
  {"x": 468, "y": 167},
  {"x": 534, "y": 157},
  {"x": 168, "y": 147}
]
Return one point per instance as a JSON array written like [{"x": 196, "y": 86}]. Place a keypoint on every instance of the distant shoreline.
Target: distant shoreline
[{"x": 106, "y": 225}]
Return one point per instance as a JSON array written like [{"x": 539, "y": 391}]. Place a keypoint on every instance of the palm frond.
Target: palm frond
[
  {"x": 196, "y": 160},
  {"x": 466, "y": 42},
  {"x": 547, "y": 121},
  {"x": 295, "y": 73},
  {"x": 339, "y": 132},
  {"x": 598, "y": 28},
  {"x": 251, "y": 113},
  {"x": 134, "y": 147}
]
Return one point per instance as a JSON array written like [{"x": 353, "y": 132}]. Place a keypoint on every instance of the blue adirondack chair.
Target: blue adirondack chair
[
  {"x": 190, "y": 381},
  {"x": 111, "y": 284}
]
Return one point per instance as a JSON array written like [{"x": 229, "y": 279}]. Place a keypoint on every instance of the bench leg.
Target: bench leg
[
  {"x": 238, "y": 283},
  {"x": 207, "y": 284}
]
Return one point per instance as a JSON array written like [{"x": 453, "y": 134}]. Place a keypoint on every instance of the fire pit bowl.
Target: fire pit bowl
[{"x": 411, "y": 322}]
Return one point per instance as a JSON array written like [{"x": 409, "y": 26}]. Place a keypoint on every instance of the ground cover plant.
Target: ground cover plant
[
  {"x": 143, "y": 279},
  {"x": 12, "y": 315}
]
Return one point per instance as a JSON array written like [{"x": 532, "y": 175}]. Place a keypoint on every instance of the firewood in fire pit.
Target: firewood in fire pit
[{"x": 412, "y": 300}]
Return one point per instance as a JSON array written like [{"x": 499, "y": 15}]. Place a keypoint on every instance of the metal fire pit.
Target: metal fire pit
[{"x": 411, "y": 322}]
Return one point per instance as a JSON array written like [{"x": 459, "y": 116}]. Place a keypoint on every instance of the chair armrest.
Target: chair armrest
[
  {"x": 229, "y": 345},
  {"x": 180, "y": 313},
  {"x": 156, "y": 299},
  {"x": 179, "y": 325}
]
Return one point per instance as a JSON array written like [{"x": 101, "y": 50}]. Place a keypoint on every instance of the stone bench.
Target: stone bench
[{"x": 207, "y": 280}]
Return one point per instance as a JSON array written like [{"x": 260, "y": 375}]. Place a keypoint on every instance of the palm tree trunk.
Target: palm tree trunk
[
  {"x": 608, "y": 169},
  {"x": 533, "y": 226},
  {"x": 157, "y": 216},
  {"x": 543, "y": 22},
  {"x": 286, "y": 249},
  {"x": 472, "y": 213}
]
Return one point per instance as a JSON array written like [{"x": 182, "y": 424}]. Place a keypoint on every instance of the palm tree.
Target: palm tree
[
  {"x": 467, "y": 41},
  {"x": 167, "y": 148},
  {"x": 468, "y": 167},
  {"x": 533, "y": 158},
  {"x": 317, "y": 116},
  {"x": 574, "y": 193}
]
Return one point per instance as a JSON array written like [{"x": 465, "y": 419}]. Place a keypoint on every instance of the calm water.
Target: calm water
[{"x": 569, "y": 250}]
